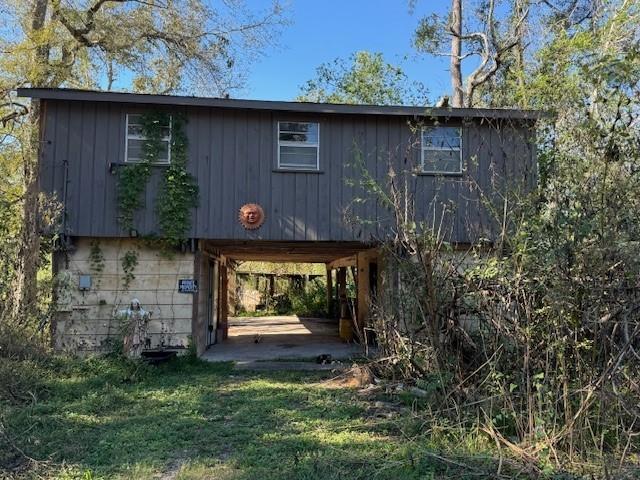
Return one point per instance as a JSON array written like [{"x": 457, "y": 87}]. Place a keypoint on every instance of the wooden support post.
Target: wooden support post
[
  {"x": 341, "y": 280},
  {"x": 363, "y": 289},
  {"x": 198, "y": 317},
  {"x": 224, "y": 301},
  {"x": 345, "y": 323},
  {"x": 272, "y": 285},
  {"x": 231, "y": 291},
  {"x": 336, "y": 296},
  {"x": 329, "y": 292},
  {"x": 365, "y": 277}
]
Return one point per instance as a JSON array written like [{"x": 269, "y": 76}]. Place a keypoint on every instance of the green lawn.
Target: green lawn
[{"x": 193, "y": 420}]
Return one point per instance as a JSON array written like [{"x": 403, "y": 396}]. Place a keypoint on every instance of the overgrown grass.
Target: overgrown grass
[{"x": 103, "y": 418}]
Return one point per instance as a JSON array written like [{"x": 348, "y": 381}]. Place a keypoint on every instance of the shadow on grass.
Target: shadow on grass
[{"x": 202, "y": 420}]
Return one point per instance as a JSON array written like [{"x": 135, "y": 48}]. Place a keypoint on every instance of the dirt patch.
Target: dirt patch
[
  {"x": 172, "y": 470},
  {"x": 358, "y": 376},
  {"x": 385, "y": 410},
  {"x": 225, "y": 453}
]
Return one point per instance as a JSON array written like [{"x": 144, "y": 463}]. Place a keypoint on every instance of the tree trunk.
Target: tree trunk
[
  {"x": 520, "y": 31},
  {"x": 26, "y": 291},
  {"x": 456, "y": 53}
]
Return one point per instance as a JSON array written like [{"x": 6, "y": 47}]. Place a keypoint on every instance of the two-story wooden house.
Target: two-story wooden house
[{"x": 300, "y": 164}]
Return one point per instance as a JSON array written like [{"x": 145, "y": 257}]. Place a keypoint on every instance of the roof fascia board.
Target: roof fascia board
[{"x": 300, "y": 107}]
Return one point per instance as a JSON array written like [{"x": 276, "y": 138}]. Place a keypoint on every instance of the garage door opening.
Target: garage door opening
[
  {"x": 292, "y": 299},
  {"x": 289, "y": 311},
  {"x": 281, "y": 300}
]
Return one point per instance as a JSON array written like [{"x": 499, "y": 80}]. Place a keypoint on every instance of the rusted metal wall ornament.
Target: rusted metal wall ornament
[{"x": 251, "y": 216}]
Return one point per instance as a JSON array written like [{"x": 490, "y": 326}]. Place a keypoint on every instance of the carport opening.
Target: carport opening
[
  {"x": 291, "y": 304},
  {"x": 287, "y": 299}
]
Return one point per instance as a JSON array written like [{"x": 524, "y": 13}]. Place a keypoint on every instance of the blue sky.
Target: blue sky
[{"x": 322, "y": 30}]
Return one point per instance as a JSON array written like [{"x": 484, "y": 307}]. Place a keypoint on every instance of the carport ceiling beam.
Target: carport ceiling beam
[
  {"x": 280, "y": 257},
  {"x": 342, "y": 262}
]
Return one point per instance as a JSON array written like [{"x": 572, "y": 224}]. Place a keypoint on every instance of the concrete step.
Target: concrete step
[{"x": 270, "y": 366}]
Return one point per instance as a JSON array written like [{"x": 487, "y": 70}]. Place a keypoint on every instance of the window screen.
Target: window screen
[
  {"x": 298, "y": 145},
  {"x": 442, "y": 150},
  {"x": 134, "y": 151}
]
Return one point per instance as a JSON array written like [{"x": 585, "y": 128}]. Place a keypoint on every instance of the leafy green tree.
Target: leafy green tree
[
  {"x": 157, "y": 46},
  {"x": 477, "y": 36},
  {"x": 10, "y": 216},
  {"x": 365, "y": 78},
  {"x": 534, "y": 27},
  {"x": 494, "y": 45}
]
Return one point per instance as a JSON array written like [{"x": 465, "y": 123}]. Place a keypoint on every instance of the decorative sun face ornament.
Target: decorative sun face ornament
[{"x": 251, "y": 216}]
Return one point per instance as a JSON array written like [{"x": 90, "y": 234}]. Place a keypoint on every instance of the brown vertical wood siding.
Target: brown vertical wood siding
[{"x": 233, "y": 155}]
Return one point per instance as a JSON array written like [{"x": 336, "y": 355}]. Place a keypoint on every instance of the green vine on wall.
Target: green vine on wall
[
  {"x": 178, "y": 191},
  {"x": 96, "y": 257},
  {"x": 96, "y": 261},
  {"x": 133, "y": 178},
  {"x": 132, "y": 183},
  {"x": 129, "y": 263}
]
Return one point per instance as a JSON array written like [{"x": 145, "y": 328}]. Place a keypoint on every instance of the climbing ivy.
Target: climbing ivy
[
  {"x": 96, "y": 261},
  {"x": 178, "y": 191},
  {"x": 96, "y": 257},
  {"x": 129, "y": 263},
  {"x": 133, "y": 178},
  {"x": 131, "y": 185}
]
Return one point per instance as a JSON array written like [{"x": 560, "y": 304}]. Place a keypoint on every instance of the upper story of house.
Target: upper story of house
[{"x": 303, "y": 163}]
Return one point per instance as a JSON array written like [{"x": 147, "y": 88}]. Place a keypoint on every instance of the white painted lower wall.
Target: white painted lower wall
[{"x": 85, "y": 320}]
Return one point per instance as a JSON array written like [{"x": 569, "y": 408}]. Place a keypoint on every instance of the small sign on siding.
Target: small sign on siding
[{"x": 187, "y": 285}]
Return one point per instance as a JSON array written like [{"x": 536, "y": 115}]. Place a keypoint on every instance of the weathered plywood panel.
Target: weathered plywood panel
[
  {"x": 151, "y": 296},
  {"x": 101, "y": 343},
  {"x": 103, "y": 312},
  {"x": 86, "y": 319},
  {"x": 155, "y": 266},
  {"x": 111, "y": 326},
  {"x": 114, "y": 248}
]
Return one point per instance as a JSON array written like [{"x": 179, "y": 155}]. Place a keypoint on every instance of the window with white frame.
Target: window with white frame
[
  {"x": 298, "y": 145},
  {"x": 441, "y": 150},
  {"x": 134, "y": 149}
]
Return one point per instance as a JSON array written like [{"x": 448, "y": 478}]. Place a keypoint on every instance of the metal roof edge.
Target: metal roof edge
[{"x": 300, "y": 107}]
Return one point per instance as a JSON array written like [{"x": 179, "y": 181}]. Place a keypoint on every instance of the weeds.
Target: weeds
[
  {"x": 533, "y": 343},
  {"x": 306, "y": 300},
  {"x": 310, "y": 301},
  {"x": 111, "y": 418}
]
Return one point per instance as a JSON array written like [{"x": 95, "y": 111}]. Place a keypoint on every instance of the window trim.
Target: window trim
[
  {"x": 288, "y": 143},
  {"x": 141, "y": 137},
  {"x": 423, "y": 148}
]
